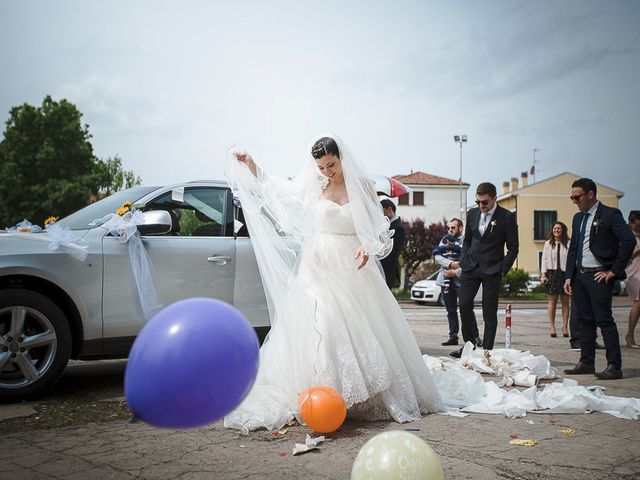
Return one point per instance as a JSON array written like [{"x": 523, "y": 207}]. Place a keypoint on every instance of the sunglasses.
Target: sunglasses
[
  {"x": 482, "y": 202},
  {"x": 575, "y": 198}
]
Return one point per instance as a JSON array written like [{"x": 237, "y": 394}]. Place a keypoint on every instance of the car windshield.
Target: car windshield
[{"x": 91, "y": 215}]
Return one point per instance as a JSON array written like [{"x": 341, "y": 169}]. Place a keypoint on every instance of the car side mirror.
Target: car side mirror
[{"x": 156, "y": 222}]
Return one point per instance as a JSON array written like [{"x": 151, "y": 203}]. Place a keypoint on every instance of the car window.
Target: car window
[
  {"x": 197, "y": 211},
  {"x": 91, "y": 215}
]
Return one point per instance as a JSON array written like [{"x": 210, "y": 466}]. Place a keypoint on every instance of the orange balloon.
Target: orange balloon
[{"x": 322, "y": 409}]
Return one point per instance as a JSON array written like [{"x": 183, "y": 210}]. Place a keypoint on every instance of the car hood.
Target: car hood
[
  {"x": 425, "y": 283},
  {"x": 27, "y": 243}
]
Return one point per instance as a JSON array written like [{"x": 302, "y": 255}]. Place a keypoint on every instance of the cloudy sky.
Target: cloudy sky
[{"x": 168, "y": 86}]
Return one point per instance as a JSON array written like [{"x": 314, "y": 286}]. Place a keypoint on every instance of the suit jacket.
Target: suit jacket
[
  {"x": 390, "y": 263},
  {"x": 611, "y": 241},
  {"x": 486, "y": 252}
]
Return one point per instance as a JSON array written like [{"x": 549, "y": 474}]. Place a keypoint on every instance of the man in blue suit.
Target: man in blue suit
[{"x": 601, "y": 246}]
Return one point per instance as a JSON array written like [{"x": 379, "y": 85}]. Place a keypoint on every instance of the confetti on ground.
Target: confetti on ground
[
  {"x": 412, "y": 429},
  {"x": 530, "y": 422},
  {"x": 524, "y": 443},
  {"x": 552, "y": 422},
  {"x": 514, "y": 436},
  {"x": 280, "y": 433},
  {"x": 283, "y": 454},
  {"x": 568, "y": 432}
]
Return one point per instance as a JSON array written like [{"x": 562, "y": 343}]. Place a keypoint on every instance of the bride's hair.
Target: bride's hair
[{"x": 325, "y": 146}]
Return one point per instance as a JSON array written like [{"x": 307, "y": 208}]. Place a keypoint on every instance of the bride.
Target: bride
[{"x": 334, "y": 322}]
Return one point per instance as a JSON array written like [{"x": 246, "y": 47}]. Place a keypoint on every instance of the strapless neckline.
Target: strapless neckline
[{"x": 336, "y": 203}]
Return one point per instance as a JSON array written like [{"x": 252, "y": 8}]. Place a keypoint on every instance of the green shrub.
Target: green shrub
[{"x": 514, "y": 282}]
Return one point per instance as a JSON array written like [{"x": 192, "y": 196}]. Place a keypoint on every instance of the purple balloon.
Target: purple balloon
[{"x": 193, "y": 363}]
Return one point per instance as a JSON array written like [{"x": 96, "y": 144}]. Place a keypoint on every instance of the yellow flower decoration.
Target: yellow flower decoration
[
  {"x": 25, "y": 229},
  {"x": 126, "y": 207},
  {"x": 49, "y": 221}
]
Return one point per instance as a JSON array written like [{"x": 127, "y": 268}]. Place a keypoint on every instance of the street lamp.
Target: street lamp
[{"x": 463, "y": 204}]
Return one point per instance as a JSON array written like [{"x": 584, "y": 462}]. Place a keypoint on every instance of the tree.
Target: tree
[
  {"x": 420, "y": 241},
  {"x": 47, "y": 164},
  {"x": 113, "y": 178}
]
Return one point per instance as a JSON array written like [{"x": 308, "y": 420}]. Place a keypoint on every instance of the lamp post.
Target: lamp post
[{"x": 463, "y": 204}]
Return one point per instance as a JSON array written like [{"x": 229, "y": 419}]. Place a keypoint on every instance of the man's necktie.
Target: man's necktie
[
  {"x": 483, "y": 222},
  {"x": 580, "y": 242}
]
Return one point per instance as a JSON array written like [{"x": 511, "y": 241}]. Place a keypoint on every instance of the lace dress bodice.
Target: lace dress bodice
[{"x": 334, "y": 218}]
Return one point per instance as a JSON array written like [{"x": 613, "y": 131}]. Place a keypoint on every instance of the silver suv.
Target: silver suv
[{"x": 54, "y": 307}]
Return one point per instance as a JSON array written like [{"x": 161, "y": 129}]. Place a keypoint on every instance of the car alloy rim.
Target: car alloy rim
[{"x": 28, "y": 345}]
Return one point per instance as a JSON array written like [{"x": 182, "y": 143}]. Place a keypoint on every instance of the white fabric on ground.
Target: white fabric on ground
[{"x": 463, "y": 389}]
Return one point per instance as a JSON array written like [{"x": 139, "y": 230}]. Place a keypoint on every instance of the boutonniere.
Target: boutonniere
[
  {"x": 493, "y": 224},
  {"x": 596, "y": 225}
]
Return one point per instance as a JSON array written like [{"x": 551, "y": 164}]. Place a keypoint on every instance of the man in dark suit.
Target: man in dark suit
[
  {"x": 601, "y": 246},
  {"x": 489, "y": 228},
  {"x": 391, "y": 263}
]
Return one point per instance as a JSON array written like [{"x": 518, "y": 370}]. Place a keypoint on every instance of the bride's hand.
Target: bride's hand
[
  {"x": 364, "y": 258},
  {"x": 244, "y": 157}
]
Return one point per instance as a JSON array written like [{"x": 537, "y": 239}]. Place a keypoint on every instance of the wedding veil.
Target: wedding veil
[{"x": 281, "y": 215}]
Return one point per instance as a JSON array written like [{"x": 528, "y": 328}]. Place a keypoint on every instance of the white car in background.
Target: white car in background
[{"x": 426, "y": 291}]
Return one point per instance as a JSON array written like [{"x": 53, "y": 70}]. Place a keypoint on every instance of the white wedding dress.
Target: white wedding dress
[{"x": 340, "y": 327}]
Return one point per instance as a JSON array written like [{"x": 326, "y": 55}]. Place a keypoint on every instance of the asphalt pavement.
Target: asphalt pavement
[{"x": 81, "y": 430}]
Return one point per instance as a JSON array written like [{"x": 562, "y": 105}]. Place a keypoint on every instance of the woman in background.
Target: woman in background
[{"x": 554, "y": 265}]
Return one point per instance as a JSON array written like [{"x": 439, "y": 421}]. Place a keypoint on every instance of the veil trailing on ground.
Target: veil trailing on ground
[{"x": 280, "y": 214}]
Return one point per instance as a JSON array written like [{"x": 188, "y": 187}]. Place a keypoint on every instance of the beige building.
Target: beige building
[{"x": 539, "y": 206}]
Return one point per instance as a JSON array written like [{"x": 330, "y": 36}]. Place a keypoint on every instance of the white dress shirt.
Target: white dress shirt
[
  {"x": 588, "y": 259},
  {"x": 485, "y": 218}
]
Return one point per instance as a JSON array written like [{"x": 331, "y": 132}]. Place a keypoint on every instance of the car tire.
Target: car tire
[
  {"x": 441, "y": 299},
  {"x": 31, "y": 363}
]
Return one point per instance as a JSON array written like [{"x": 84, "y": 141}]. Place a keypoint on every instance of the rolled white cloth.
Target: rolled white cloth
[{"x": 125, "y": 228}]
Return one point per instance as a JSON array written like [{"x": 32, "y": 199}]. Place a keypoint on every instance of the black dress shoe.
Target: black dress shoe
[
  {"x": 451, "y": 341},
  {"x": 609, "y": 373},
  {"x": 456, "y": 354},
  {"x": 580, "y": 369},
  {"x": 478, "y": 342}
]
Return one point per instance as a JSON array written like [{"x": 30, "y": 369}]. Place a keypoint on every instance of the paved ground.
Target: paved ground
[{"x": 81, "y": 430}]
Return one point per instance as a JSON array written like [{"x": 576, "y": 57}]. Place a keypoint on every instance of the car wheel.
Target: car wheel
[
  {"x": 441, "y": 299},
  {"x": 35, "y": 344}
]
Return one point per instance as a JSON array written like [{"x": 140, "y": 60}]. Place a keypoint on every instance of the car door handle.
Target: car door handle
[{"x": 219, "y": 259}]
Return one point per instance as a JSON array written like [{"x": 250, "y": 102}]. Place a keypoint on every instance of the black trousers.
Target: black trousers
[
  {"x": 451, "y": 304},
  {"x": 592, "y": 304},
  {"x": 471, "y": 282}
]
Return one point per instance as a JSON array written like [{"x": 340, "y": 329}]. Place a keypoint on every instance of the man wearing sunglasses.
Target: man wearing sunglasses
[
  {"x": 601, "y": 246},
  {"x": 489, "y": 228}
]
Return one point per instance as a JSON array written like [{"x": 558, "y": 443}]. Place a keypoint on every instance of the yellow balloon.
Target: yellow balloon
[{"x": 396, "y": 454}]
